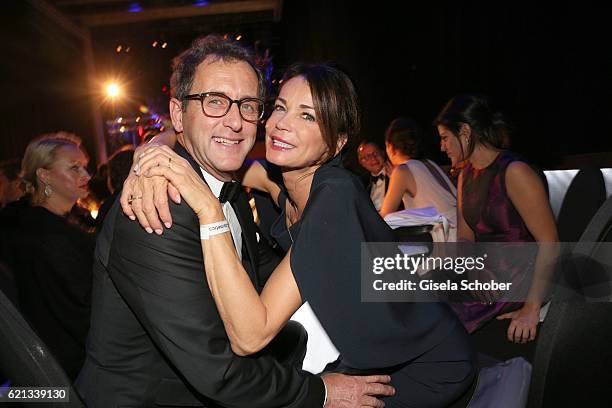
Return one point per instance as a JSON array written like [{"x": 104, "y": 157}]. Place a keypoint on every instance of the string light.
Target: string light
[
  {"x": 118, "y": 49},
  {"x": 154, "y": 44},
  {"x": 164, "y": 45}
]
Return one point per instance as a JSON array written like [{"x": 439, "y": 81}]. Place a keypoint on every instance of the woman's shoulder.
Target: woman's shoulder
[
  {"x": 338, "y": 179},
  {"x": 507, "y": 157}
]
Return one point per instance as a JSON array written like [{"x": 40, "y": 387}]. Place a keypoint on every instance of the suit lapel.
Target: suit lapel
[{"x": 249, "y": 240}]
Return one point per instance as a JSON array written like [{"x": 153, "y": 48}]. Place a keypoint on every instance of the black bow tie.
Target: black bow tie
[
  {"x": 374, "y": 179},
  {"x": 229, "y": 191}
]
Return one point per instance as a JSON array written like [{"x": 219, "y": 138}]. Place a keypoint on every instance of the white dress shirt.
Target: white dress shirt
[
  {"x": 377, "y": 193},
  {"x": 235, "y": 229}
]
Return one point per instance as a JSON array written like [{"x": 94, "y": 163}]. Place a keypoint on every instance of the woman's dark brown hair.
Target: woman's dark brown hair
[{"x": 335, "y": 101}]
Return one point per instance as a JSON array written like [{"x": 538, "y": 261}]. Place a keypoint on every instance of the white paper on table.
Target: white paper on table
[
  {"x": 320, "y": 350},
  {"x": 444, "y": 225}
]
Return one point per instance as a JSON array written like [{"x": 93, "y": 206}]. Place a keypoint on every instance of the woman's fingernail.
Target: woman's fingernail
[
  {"x": 168, "y": 225},
  {"x": 133, "y": 218},
  {"x": 149, "y": 230},
  {"x": 158, "y": 231}
]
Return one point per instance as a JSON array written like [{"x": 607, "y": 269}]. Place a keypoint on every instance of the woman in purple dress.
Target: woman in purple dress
[{"x": 501, "y": 198}]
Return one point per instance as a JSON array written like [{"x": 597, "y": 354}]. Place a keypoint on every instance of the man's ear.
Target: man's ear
[
  {"x": 176, "y": 114},
  {"x": 342, "y": 139}
]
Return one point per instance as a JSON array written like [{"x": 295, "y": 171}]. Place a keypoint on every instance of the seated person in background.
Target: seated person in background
[
  {"x": 376, "y": 181},
  {"x": 118, "y": 169},
  {"x": 50, "y": 256},
  {"x": 416, "y": 181},
  {"x": 11, "y": 186},
  {"x": 500, "y": 199}
]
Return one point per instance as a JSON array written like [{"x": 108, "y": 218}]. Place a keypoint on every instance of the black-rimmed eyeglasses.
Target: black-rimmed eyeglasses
[{"x": 217, "y": 104}]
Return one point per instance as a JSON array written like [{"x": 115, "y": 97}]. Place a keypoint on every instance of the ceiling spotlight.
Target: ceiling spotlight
[{"x": 112, "y": 90}]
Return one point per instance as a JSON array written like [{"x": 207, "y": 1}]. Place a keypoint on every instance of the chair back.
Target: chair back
[
  {"x": 25, "y": 360},
  {"x": 572, "y": 359}
]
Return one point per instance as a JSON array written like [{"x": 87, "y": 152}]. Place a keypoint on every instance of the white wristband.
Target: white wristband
[{"x": 216, "y": 228}]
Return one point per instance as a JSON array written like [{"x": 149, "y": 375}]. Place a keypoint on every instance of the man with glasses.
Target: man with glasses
[
  {"x": 156, "y": 338},
  {"x": 376, "y": 181}
]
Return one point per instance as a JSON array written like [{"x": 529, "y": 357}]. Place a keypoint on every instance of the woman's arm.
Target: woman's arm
[
  {"x": 256, "y": 177},
  {"x": 528, "y": 195},
  {"x": 464, "y": 232},
  {"x": 251, "y": 321},
  {"x": 400, "y": 182},
  {"x": 165, "y": 138}
]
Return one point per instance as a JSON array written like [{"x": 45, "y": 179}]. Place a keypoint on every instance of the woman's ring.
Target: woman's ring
[{"x": 132, "y": 198}]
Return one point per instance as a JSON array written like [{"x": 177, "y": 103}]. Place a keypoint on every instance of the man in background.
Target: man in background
[{"x": 376, "y": 181}]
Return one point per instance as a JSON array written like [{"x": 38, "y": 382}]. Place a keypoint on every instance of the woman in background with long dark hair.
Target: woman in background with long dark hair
[{"x": 501, "y": 198}]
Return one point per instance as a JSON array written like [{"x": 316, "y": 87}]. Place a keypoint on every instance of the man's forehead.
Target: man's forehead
[
  {"x": 368, "y": 148},
  {"x": 213, "y": 67}
]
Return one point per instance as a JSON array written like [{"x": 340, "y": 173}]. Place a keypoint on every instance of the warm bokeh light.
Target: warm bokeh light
[{"x": 112, "y": 90}]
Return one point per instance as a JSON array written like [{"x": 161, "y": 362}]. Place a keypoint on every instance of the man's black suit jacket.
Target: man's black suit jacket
[{"x": 156, "y": 337}]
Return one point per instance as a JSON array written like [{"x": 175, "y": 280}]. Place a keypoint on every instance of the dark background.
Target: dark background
[{"x": 548, "y": 67}]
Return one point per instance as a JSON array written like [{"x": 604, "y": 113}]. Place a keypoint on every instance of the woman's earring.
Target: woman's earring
[{"x": 48, "y": 190}]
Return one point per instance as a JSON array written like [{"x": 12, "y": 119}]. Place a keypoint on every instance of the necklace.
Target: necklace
[
  {"x": 290, "y": 217},
  {"x": 290, "y": 236}
]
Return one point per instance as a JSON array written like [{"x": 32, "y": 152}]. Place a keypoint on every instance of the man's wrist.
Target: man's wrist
[
  {"x": 325, "y": 387},
  {"x": 211, "y": 214}
]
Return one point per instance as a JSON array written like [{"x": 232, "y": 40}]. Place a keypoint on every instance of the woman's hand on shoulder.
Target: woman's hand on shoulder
[
  {"x": 164, "y": 162},
  {"x": 146, "y": 198}
]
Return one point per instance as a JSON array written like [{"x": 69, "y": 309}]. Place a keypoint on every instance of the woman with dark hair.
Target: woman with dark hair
[
  {"x": 500, "y": 199},
  {"x": 326, "y": 215},
  {"x": 416, "y": 181}
]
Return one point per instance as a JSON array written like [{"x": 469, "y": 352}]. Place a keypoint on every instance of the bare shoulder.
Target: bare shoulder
[
  {"x": 519, "y": 172},
  {"x": 401, "y": 172}
]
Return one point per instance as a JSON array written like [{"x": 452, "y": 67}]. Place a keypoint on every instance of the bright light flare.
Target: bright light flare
[{"x": 113, "y": 90}]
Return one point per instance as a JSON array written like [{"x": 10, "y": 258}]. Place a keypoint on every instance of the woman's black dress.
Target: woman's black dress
[
  {"x": 51, "y": 260},
  {"x": 422, "y": 345}
]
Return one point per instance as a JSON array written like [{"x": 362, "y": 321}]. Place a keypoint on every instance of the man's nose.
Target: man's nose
[{"x": 233, "y": 119}]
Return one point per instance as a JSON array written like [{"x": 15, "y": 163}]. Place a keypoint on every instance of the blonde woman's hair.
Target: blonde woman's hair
[{"x": 42, "y": 153}]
